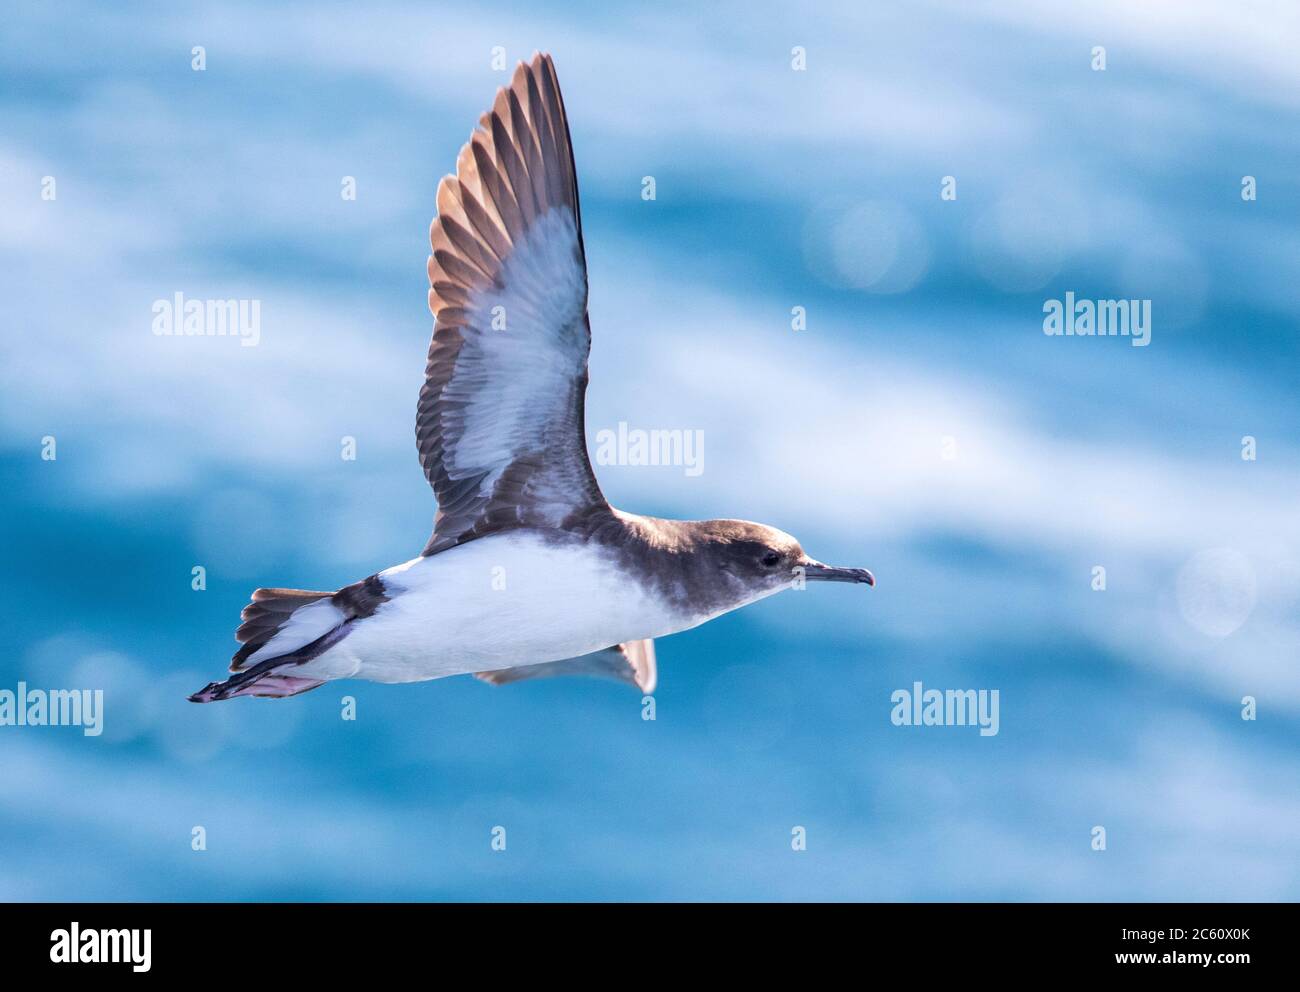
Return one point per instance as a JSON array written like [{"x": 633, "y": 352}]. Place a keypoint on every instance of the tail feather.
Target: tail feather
[
  {"x": 285, "y": 628},
  {"x": 264, "y": 616},
  {"x": 267, "y": 685}
]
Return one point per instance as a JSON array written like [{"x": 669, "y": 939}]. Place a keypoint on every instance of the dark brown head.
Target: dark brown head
[{"x": 761, "y": 560}]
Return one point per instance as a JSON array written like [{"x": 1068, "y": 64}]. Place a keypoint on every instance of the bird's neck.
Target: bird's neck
[{"x": 670, "y": 558}]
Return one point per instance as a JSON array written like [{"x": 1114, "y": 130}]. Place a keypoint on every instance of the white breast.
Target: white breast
[{"x": 500, "y": 601}]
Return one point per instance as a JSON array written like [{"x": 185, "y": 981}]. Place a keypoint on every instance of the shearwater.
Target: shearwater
[{"x": 529, "y": 572}]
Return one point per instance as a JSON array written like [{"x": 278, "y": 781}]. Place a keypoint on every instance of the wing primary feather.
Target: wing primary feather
[{"x": 500, "y": 419}]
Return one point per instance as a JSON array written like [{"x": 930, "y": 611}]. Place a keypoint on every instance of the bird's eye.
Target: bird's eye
[{"x": 771, "y": 558}]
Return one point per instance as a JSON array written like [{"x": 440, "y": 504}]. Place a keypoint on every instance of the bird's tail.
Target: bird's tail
[
  {"x": 267, "y": 684},
  {"x": 281, "y": 629}
]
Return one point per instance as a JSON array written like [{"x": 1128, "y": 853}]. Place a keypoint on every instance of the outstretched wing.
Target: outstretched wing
[
  {"x": 500, "y": 422},
  {"x": 633, "y": 662}
]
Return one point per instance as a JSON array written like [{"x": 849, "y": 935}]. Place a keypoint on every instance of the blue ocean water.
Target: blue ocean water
[{"x": 919, "y": 423}]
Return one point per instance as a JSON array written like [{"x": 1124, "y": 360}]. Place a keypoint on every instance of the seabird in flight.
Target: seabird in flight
[{"x": 529, "y": 572}]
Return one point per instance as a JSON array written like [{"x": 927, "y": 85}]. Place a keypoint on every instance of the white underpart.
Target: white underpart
[
  {"x": 304, "y": 625},
  {"x": 497, "y": 602}
]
